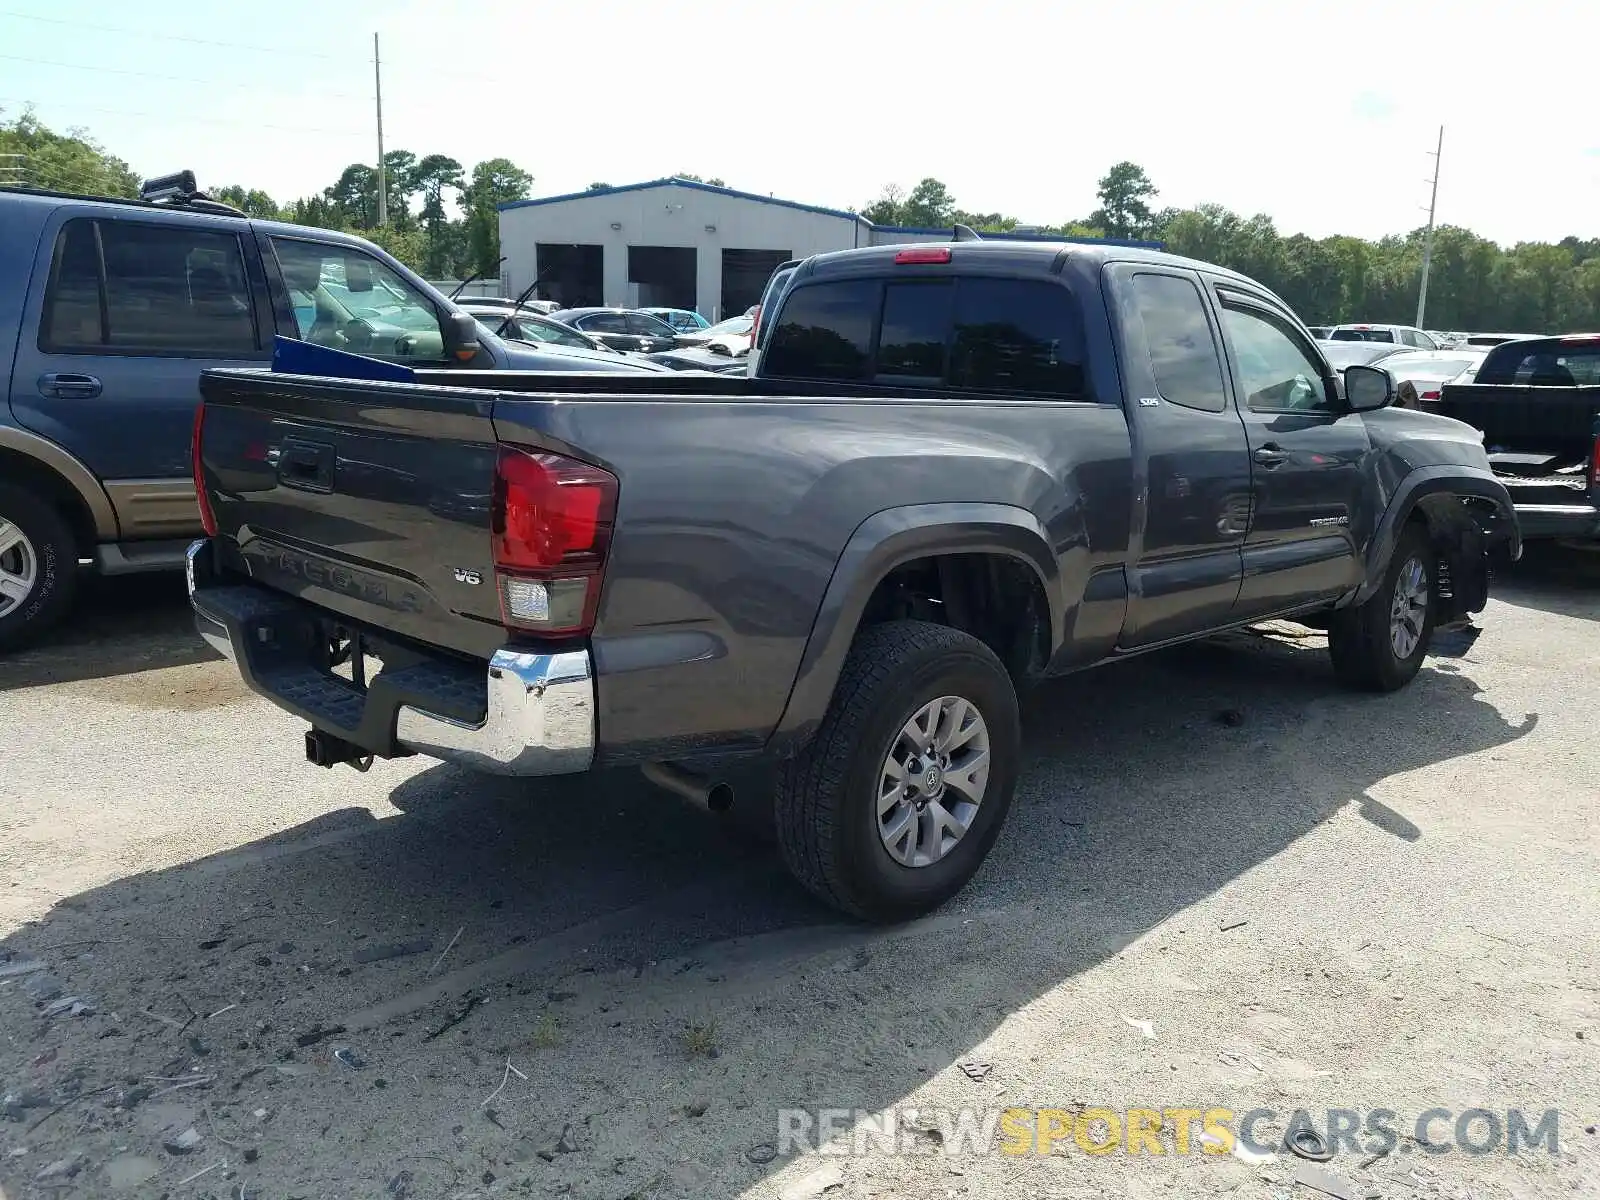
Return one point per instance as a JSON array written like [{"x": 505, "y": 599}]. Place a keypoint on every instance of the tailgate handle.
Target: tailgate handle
[{"x": 307, "y": 465}]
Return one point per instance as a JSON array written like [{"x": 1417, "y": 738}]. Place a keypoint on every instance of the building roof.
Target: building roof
[
  {"x": 843, "y": 215},
  {"x": 694, "y": 185}
]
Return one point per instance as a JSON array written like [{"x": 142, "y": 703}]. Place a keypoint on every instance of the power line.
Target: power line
[
  {"x": 171, "y": 37},
  {"x": 180, "y": 119},
  {"x": 215, "y": 83}
]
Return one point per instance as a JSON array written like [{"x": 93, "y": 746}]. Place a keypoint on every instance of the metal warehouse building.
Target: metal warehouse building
[{"x": 676, "y": 243}]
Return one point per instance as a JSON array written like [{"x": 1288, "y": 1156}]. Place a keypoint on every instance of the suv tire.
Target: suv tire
[
  {"x": 841, "y": 830},
  {"x": 1378, "y": 646},
  {"x": 38, "y": 553}
]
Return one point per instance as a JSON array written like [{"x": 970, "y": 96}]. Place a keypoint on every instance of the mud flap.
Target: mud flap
[{"x": 1463, "y": 548}]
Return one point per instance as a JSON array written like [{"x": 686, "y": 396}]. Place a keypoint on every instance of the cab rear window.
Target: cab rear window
[
  {"x": 1013, "y": 336},
  {"x": 1362, "y": 335}
]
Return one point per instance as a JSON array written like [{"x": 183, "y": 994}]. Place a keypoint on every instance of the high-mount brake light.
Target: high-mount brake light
[
  {"x": 551, "y": 523},
  {"x": 922, "y": 254}
]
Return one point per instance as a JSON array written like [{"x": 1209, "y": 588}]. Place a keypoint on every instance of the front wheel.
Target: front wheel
[
  {"x": 1378, "y": 646},
  {"x": 894, "y": 804}
]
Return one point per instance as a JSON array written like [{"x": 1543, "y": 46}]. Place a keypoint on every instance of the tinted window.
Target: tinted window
[
  {"x": 1564, "y": 368},
  {"x": 1017, "y": 336},
  {"x": 1363, "y": 335},
  {"x": 604, "y": 323},
  {"x": 358, "y": 303},
  {"x": 916, "y": 320},
  {"x": 1182, "y": 351},
  {"x": 165, "y": 289},
  {"x": 824, "y": 331},
  {"x": 1275, "y": 372},
  {"x": 647, "y": 326},
  {"x": 72, "y": 311}
]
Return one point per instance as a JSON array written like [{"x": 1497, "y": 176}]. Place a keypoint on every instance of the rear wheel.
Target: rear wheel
[
  {"x": 895, "y": 803},
  {"x": 38, "y": 566},
  {"x": 1379, "y": 646}
]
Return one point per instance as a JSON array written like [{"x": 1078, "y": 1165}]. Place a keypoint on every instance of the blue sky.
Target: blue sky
[{"x": 1321, "y": 115}]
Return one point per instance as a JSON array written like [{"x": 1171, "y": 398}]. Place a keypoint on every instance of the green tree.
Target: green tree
[
  {"x": 444, "y": 246},
  {"x": 254, "y": 202},
  {"x": 494, "y": 182},
  {"x": 598, "y": 187},
  {"x": 888, "y": 208},
  {"x": 929, "y": 205},
  {"x": 1124, "y": 192},
  {"x": 63, "y": 162},
  {"x": 354, "y": 196}
]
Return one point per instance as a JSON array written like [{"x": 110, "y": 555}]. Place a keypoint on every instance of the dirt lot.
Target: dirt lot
[{"x": 583, "y": 988}]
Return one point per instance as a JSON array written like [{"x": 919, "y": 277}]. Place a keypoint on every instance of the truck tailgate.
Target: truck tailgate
[{"x": 376, "y": 512}]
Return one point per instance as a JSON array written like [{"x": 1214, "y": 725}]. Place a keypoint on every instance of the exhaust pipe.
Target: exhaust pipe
[{"x": 712, "y": 795}]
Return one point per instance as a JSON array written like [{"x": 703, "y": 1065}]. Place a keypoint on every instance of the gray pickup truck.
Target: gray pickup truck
[{"x": 959, "y": 469}]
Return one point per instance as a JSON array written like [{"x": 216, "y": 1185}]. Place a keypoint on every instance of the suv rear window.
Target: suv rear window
[{"x": 974, "y": 334}]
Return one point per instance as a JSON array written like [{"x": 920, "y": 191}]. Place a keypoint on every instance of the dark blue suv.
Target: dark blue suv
[{"x": 110, "y": 309}]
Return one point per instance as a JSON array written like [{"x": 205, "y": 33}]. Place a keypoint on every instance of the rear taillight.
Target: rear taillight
[
  {"x": 1433, "y": 395},
  {"x": 208, "y": 519},
  {"x": 1594, "y": 458},
  {"x": 552, "y": 527}
]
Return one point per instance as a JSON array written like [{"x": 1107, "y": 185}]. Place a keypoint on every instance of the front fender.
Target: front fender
[
  {"x": 883, "y": 542},
  {"x": 1415, "y": 489}
]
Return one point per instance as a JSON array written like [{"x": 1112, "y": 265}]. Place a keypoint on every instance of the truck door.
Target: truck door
[
  {"x": 1306, "y": 451},
  {"x": 125, "y": 310},
  {"x": 1188, "y": 559}
]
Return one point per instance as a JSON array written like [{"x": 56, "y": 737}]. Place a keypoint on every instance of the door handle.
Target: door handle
[
  {"x": 68, "y": 386},
  {"x": 1272, "y": 455}
]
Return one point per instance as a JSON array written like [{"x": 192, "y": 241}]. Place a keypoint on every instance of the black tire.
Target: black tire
[
  {"x": 1359, "y": 638},
  {"x": 826, "y": 821},
  {"x": 54, "y": 553}
]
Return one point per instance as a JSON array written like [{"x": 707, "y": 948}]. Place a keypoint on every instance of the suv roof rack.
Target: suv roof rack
[{"x": 180, "y": 189}]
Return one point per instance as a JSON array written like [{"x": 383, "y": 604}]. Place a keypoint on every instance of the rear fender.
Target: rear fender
[{"x": 883, "y": 542}]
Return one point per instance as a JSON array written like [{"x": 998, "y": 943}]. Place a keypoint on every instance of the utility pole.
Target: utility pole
[
  {"x": 1427, "y": 242},
  {"x": 383, "y": 188}
]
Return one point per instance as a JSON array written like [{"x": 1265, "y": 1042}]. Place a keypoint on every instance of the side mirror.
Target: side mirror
[
  {"x": 357, "y": 274},
  {"x": 1367, "y": 389},
  {"x": 460, "y": 334}
]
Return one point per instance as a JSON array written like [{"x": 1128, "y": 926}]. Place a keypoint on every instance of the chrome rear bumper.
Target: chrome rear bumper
[{"x": 537, "y": 710}]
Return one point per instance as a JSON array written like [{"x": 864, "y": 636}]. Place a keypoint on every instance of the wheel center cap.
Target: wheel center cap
[{"x": 932, "y": 780}]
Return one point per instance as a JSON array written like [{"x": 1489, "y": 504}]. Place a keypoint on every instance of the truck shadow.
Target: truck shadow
[
  {"x": 117, "y": 627},
  {"x": 1557, "y": 579},
  {"x": 663, "y": 988}
]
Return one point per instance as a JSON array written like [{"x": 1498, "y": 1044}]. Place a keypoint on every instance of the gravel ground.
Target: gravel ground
[{"x": 1226, "y": 884}]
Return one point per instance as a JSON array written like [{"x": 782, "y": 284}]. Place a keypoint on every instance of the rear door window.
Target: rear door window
[
  {"x": 604, "y": 323},
  {"x": 1183, "y": 354},
  {"x": 127, "y": 287},
  {"x": 1017, "y": 335},
  {"x": 645, "y": 325},
  {"x": 824, "y": 331}
]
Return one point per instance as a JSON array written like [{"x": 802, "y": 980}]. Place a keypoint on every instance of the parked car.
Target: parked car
[
  {"x": 1401, "y": 335},
  {"x": 504, "y": 319},
  {"x": 682, "y": 320},
  {"x": 730, "y": 337},
  {"x": 1537, "y": 403},
  {"x": 854, "y": 572},
  {"x": 109, "y": 310},
  {"x": 1420, "y": 374},
  {"x": 1343, "y": 354},
  {"x": 622, "y": 328},
  {"x": 698, "y": 358}
]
